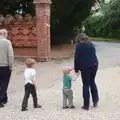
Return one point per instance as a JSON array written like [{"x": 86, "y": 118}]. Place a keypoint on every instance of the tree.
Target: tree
[
  {"x": 112, "y": 20},
  {"x": 102, "y": 1},
  {"x": 12, "y": 6},
  {"x": 65, "y": 14},
  {"x": 107, "y": 24}
]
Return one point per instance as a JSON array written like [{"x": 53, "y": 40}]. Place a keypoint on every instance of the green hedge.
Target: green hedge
[{"x": 104, "y": 39}]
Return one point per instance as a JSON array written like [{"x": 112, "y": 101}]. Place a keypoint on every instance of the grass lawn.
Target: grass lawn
[{"x": 104, "y": 39}]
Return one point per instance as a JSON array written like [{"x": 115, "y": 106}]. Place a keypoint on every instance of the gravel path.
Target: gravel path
[{"x": 49, "y": 82}]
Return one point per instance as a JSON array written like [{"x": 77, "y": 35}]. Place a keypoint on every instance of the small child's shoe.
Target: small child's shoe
[
  {"x": 66, "y": 107},
  {"x": 38, "y": 106},
  {"x": 72, "y": 107},
  {"x": 24, "y": 109}
]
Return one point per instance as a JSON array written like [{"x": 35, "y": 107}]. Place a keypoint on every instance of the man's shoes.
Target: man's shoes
[
  {"x": 24, "y": 109},
  {"x": 85, "y": 107},
  {"x": 72, "y": 107},
  {"x": 66, "y": 107},
  {"x": 38, "y": 106},
  {"x": 1, "y": 105}
]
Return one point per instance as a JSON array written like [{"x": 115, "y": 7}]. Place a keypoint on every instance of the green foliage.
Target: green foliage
[
  {"x": 65, "y": 15},
  {"x": 94, "y": 26},
  {"x": 112, "y": 20},
  {"x": 104, "y": 39},
  {"x": 11, "y": 6},
  {"x": 107, "y": 25}
]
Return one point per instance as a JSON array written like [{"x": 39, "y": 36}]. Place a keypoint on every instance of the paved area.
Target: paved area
[{"x": 49, "y": 82}]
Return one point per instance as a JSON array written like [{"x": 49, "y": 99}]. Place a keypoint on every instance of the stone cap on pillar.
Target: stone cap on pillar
[{"x": 42, "y": 1}]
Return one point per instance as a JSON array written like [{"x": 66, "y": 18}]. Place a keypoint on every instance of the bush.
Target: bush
[{"x": 94, "y": 26}]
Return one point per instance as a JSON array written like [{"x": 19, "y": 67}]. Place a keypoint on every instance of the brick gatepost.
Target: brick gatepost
[{"x": 42, "y": 8}]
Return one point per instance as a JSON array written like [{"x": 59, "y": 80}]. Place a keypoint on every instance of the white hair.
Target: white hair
[{"x": 3, "y": 33}]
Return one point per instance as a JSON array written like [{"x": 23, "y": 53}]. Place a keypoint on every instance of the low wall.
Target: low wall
[
  {"x": 22, "y": 33},
  {"x": 23, "y": 39}
]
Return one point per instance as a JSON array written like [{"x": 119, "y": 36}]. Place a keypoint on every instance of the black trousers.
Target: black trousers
[
  {"x": 29, "y": 89},
  {"x": 88, "y": 79},
  {"x": 5, "y": 74}
]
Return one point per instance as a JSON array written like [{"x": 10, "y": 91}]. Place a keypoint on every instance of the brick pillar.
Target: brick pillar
[{"x": 42, "y": 8}]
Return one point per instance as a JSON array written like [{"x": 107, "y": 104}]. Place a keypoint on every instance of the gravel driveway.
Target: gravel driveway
[{"x": 49, "y": 82}]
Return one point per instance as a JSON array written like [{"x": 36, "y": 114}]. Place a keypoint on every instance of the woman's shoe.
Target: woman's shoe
[
  {"x": 1, "y": 105},
  {"x": 95, "y": 104},
  {"x": 24, "y": 109},
  {"x": 5, "y": 102}
]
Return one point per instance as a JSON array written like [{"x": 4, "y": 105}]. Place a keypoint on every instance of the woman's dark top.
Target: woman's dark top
[{"x": 85, "y": 56}]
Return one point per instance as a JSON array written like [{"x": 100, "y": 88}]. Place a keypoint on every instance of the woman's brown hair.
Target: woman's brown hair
[{"x": 82, "y": 38}]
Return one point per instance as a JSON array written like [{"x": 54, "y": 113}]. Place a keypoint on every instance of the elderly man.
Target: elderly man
[{"x": 6, "y": 62}]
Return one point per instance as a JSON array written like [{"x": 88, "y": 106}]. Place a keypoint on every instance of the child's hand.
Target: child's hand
[
  {"x": 35, "y": 86},
  {"x": 76, "y": 77},
  {"x": 71, "y": 69}
]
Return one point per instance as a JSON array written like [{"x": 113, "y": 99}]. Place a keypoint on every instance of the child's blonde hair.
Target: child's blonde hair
[
  {"x": 30, "y": 62},
  {"x": 66, "y": 70}
]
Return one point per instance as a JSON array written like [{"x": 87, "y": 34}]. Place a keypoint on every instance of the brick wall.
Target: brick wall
[
  {"x": 23, "y": 39},
  {"x": 30, "y": 36}
]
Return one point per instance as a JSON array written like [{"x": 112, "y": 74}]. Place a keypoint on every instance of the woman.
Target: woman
[{"x": 86, "y": 61}]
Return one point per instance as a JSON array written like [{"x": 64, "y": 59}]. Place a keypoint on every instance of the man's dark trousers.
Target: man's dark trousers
[
  {"x": 88, "y": 79},
  {"x": 5, "y": 73}
]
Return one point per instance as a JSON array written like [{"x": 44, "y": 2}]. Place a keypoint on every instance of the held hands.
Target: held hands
[
  {"x": 71, "y": 69},
  {"x": 77, "y": 75},
  {"x": 74, "y": 74}
]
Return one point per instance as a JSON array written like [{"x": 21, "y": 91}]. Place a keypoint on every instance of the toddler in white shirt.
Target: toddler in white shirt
[{"x": 30, "y": 86}]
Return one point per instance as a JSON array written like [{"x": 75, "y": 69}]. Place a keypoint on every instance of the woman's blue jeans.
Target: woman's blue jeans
[{"x": 88, "y": 79}]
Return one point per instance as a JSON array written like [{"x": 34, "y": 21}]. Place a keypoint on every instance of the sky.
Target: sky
[{"x": 107, "y": 0}]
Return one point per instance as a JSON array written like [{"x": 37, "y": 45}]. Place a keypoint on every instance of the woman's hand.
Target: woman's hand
[{"x": 77, "y": 74}]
